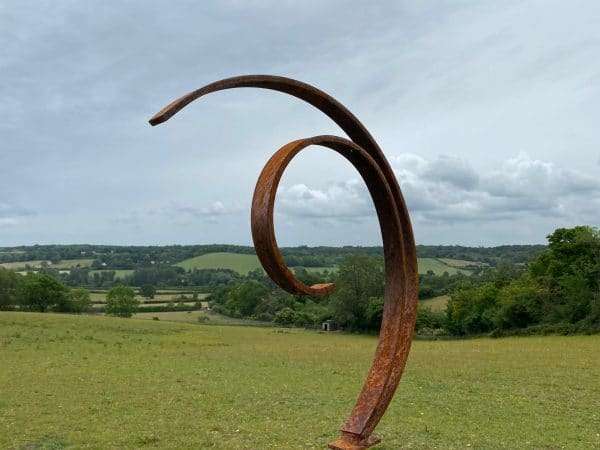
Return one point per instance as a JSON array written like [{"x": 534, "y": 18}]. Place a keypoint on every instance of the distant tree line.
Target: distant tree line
[
  {"x": 557, "y": 290},
  {"x": 137, "y": 257},
  {"x": 163, "y": 276}
]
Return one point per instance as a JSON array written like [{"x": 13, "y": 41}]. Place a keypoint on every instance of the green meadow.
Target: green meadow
[
  {"x": 238, "y": 262},
  {"x": 107, "y": 383}
]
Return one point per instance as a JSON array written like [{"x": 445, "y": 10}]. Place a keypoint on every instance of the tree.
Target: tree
[
  {"x": 243, "y": 298},
  {"x": 359, "y": 279},
  {"x": 80, "y": 300},
  {"x": 148, "y": 291},
  {"x": 40, "y": 292},
  {"x": 520, "y": 304},
  {"x": 374, "y": 312},
  {"x": 472, "y": 309},
  {"x": 121, "y": 301},
  {"x": 570, "y": 270},
  {"x": 9, "y": 282}
]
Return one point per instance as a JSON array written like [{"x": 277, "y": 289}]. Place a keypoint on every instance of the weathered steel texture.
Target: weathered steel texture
[{"x": 401, "y": 275}]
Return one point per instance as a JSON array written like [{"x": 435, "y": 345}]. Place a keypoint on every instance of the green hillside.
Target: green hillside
[{"x": 241, "y": 263}]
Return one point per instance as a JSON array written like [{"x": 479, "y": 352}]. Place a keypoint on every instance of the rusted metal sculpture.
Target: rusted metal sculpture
[{"x": 401, "y": 276}]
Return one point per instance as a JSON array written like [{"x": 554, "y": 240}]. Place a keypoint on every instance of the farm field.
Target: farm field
[
  {"x": 63, "y": 264},
  {"x": 98, "y": 296},
  {"x": 99, "y": 382},
  {"x": 461, "y": 262},
  {"x": 438, "y": 266},
  {"x": 319, "y": 269},
  {"x": 160, "y": 296},
  {"x": 243, "y": 264},
  {"x": 119, "y": 273}
]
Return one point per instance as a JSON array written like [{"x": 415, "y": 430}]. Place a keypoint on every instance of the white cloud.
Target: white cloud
[
  {"x": 476, "y": 81},
  {"x": 216, "y": 208},
  {"x": 448, "y": 190},
  {"x": 343, "y": 200}
]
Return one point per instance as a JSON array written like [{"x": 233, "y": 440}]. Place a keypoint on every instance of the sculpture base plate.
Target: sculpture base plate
[{"x": 350, "y": 442}]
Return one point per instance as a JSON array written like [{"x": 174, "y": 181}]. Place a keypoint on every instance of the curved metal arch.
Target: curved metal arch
[{"x": 401, "y": 287}]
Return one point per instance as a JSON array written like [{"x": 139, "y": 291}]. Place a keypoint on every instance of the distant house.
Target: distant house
[
  {"x": 204, "y": 306},
  {"x": 329, "y": 325}
]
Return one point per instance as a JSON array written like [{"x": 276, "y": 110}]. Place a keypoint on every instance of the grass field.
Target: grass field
[
  {"x": 438, "y": 266},
  {"x": 107, "y": 383},
  {"x": 234, "y": 261}
]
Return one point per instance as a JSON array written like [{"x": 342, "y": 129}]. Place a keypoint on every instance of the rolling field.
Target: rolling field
[
  {"x": 107, "y": 383},
  {"x": 245, "y": 263},
  {"x": 234, "y": 261}
]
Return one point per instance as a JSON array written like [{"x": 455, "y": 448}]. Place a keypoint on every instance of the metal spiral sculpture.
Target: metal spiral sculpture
[{"x": 401, "y": 275}]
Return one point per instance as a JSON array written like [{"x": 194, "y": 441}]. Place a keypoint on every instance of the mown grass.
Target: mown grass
[{"x": 107, "y": 383}]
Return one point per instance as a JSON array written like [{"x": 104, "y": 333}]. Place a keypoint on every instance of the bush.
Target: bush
[
  {"x": 472, "y": 309},
  {"x": 264, "y": 317},
  {"x": 121, "y": 302},
  {"x": 9, "y": 282},
  {"x": 304, "y": 319},
  {"x": 148, "y": 291},
  {"x": 203, "y": 318},
  {"x": 429, "y": 321},
  {"x": 287, "y": 316}
]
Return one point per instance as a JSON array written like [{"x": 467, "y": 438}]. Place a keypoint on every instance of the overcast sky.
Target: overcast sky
[{"x": 489, "y": 113}]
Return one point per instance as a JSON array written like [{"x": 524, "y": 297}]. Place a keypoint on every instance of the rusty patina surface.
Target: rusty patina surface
[{"x": 401, "y": 274}]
